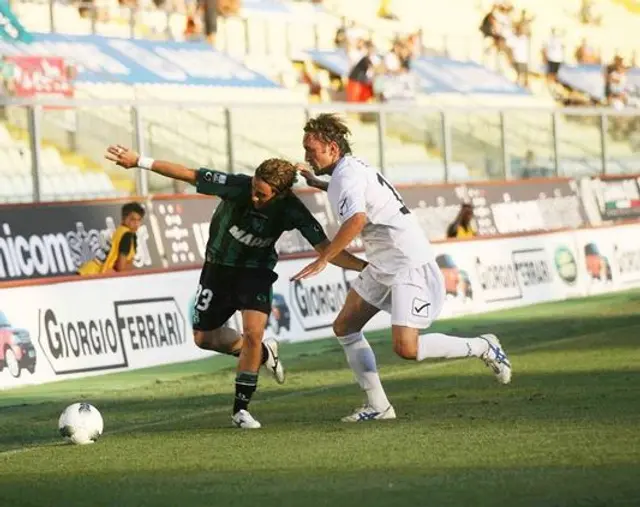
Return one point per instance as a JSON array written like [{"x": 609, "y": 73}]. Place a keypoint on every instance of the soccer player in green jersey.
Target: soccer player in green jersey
[{"x": 240, "y": 257}]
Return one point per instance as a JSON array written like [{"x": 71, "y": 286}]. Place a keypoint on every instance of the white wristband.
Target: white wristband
[{"x": 145, "y": 162}]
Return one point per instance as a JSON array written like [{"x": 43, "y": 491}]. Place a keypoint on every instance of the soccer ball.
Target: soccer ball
[{"x": 80, "y": 423}]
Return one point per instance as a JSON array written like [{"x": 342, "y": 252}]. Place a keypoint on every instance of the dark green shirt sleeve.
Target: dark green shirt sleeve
[
  {"x": 300, "y": 218},
  {"x": 223, "y": 185}
]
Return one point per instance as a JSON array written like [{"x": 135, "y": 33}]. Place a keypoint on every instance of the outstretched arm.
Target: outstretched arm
[
  {"x": 124, "y": 157},
  {"x": 347, "y": 233},
  {"x": 344, "y": 259}
]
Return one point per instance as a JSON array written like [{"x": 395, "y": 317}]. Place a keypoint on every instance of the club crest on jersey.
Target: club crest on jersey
[{"x": 249, "y": 239}]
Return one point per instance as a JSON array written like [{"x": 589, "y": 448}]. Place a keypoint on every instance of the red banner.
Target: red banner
[{"x": 42, "y": 76}]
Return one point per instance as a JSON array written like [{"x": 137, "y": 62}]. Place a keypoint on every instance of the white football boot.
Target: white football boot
[
  {"x": 273, "y": 363},
  {"x": 496, "y": 359},
  {"x": 243, "y": 419},
  {"x": 367, "y": 413}
]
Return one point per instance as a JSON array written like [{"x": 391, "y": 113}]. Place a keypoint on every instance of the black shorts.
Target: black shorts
[
  {"x": 553, "y": 67},
  {"x": 224, "y": 289}
]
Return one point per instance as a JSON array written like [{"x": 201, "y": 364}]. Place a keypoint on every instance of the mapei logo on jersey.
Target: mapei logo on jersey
[
  {"x": 101, "y": 341},
  {"x": 318, "y": 300},
  {"x": 249, "y": 239},
  {"x": 215, "y": 177}
]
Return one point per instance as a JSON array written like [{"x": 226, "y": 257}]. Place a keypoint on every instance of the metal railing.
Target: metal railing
[{"x": 486, "y": 142}]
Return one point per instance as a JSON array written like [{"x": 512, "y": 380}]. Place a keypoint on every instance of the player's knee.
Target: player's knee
[
  {"x": 200, "y": 339},
  {"x": 253, "y": 336},
  {"x": 405, "y": 349},
  {"x": 210, "y": 340},
  {"x": 342, "y": 328}
]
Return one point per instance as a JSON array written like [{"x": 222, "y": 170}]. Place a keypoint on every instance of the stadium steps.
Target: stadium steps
[{"x": 65, "y": 175}]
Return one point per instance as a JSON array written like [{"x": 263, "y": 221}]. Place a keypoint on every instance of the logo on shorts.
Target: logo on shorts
[
  {"x": 262, "y": 298},
  {"x": 420, "y": 308}
]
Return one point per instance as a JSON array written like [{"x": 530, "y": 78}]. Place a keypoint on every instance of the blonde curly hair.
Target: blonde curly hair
[{"x": 277, "y": 173}]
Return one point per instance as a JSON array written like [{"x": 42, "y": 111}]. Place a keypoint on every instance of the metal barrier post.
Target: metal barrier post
[
  {"x": 506, "y": 166},
  {"x": 446, "y": 144},
  {"x": 228, "y": 120},
  {"x": 52, "y": 16},
  {"x": 142, "y": 177},
  {"x": 34, "y": 121},
  {"x": 381, "y": 125},
  {"x": 94, "y": 15},
  {"x": 604, "y": 148},
  {"x": 556, "y": 144},
  {"x": 133, "y": 11}
]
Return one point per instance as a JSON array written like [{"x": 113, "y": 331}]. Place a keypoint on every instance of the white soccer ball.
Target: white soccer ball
[{"x": 80, "y": 423}]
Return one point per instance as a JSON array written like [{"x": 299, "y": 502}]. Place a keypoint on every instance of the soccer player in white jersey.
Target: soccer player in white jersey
[{"x": 401, "y": 278}]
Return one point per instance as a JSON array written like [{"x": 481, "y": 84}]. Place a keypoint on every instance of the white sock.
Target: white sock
[
  {"x": 362, "y": 360},
  {"x": 438, "y": 345}
]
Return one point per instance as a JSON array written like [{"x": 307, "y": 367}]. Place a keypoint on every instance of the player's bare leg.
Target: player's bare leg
[
  {"x": 355, "y": 313},
  {"x": 227, "y": 340},
  {"x": 408, "y": 343}
]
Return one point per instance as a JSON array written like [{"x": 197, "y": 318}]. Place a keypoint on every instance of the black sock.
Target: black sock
[
  {"x": 265, "y": 353},
  {"x": 246, "y": 383}
]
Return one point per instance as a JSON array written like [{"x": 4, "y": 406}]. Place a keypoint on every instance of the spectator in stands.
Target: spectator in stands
[
  {"x": 520, "y": 44},
  {"x": 585, "y": 54},
  {"x": 310, "y": 76},
  {"x": 394, "y": 81},
  {"x": 340, "y": 39},
  {"x": 193, "y": 27},
  {"x": 414, "y": 44},
  {"x": 503, "y": 24},
  {"x": 119, "y": 252},
  {"x": 209, "y": 9},
  {"x": 524, "y": 23},
  {"x": 360, "y": 83},
  {"x": 462, "y": 226},
  {"x": 488, "y": 28},
  {"x": 553, "y": 54},
  {"x": 615, "y": 88},
  {"x": 355, "y": 38}
]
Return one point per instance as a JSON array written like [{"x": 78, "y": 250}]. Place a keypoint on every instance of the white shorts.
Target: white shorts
[{"x": 414, "y": 297}]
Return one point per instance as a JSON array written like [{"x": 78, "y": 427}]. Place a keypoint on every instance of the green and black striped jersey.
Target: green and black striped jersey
[{"x": 243, "y": 236}]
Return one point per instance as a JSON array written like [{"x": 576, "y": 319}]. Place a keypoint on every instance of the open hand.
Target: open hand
[
  {"x": 124, "y": 157},
  {"x": 308, "y": 175},
  {"x": 312, "y": 269}
]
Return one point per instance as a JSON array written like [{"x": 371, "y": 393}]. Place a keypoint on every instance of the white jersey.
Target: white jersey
[{"x": 392, "y": 237}]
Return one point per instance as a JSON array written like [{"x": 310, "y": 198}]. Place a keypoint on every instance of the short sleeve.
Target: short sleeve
[
  {"x": 223, "y": 185},
  {"x": 302, "y": 219},
  {"x": 351, "y": 198},
  {"x": 126, "y": 241}
]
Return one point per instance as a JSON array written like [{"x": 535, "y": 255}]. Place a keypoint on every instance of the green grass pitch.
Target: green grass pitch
[{"x": 565, "y": 433}]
